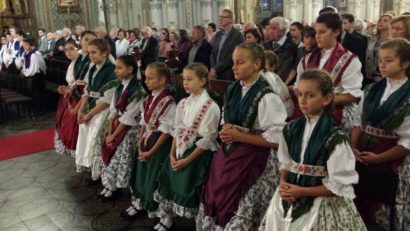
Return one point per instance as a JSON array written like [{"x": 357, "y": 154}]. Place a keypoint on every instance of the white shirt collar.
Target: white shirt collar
[
  {"x": 282, "y": 40},
  {"x": 125, "y": 83},
  {"x": 397, "y": 83}
]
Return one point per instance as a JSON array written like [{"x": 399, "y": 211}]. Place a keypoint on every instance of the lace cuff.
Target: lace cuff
[
  {"x": 404, "y": 142},
  {"x": 273, "y": 134},
  {"x": 164, "y": 128},
  {"x": 207, "y": 144},
  {"x": 340, "y": 190}
]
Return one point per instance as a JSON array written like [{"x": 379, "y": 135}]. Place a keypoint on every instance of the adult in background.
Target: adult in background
[
  {"x": 223, "y": 47},
  {"x": 122, "y": 44},
  {"x": 282, "y": 45},
  {"x": 42, "y": 40},
  {"x": 184, "y": 44},
  {"x": 201, "y": 48},
  {"x": 149, "y": 47},
  {"x": 101, "y": 33}
]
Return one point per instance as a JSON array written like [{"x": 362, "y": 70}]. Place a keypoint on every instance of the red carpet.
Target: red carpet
[{"x": 20, "y": 145}]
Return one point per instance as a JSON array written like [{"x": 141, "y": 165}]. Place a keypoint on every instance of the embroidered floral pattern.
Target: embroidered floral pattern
[
  {"x": 185, "y": 137},
  {"x": 380, "y": 132},
  {"x": 305, "y": 169}
]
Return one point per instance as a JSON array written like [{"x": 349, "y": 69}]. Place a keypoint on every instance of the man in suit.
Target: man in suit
[
  {"x": 42, "y": 41},
  {"x": 58, "y": 52},
  {"x": 101, "y": 33},
  {"x": 225, "y": 42},
  {"x": 149, "y": 47},
  {"x": 201, "y": 49},
  {"x": 51, "y": 43},
  {"x": 282, "y": 45},
  {"x": 353, "y": 41}
]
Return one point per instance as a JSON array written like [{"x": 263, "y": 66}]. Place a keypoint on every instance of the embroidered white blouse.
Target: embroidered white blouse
[
  {"x": 404, "y": 130},
  {"x": 271, "y": 115},
  {"x": 351, "y": 81},
  {"x": 108, "y": 94},
  {"x": 132, "y": 110},
  {"x": 341, "y": 173},
  {"x": 208, "y": 128},
  {"x": 166, "y": 121},
  {"x": 37, "y": 64}
]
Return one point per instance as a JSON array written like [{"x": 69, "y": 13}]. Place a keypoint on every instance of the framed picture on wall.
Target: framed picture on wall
[{"x": 68, "y": 5}]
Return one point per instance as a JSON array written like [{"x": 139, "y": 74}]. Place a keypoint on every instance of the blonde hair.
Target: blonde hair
[{"x": 200, "y": 71}]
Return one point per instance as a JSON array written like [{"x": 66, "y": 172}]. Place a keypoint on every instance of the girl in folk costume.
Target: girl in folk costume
[
  {"x": 243, "y": 174},
  {"x": 317, "y": 167},
  {"x": 94, "y": 108},
  {"x": 344, "y": 68},
  {"x": 196, "y": 129},
  {"x": 119, "y": 144},
  {"x": 383, "y": 139},
  {"x": 154, "y": 142},
  {"x": 66, "y": 133}
]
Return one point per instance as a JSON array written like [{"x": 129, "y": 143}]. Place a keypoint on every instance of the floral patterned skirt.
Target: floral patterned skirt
[{"x": 117, "y": 173}]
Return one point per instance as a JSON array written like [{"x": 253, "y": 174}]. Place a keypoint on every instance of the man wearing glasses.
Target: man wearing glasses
[{"x": 224, "y": 45}]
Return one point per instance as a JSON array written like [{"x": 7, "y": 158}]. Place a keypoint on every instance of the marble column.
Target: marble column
[
  {"x": 172, "y": 10},
  {"x": 206, "y": 12},
  {"x": 156, "y": 14}
]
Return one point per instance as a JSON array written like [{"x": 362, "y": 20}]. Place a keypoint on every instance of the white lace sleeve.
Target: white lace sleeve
[
  {"x": 341, "y": 171},
  {"x": 142, "y": 121},
  {"x": 166, "y": 121},
  {"x": 113, "y": 109},
  {"x": 208, "y": 129},
  {"x": 132, "y": 110},
  {"x": 178, "y": 118},
  {"x": 271, "y": 115},
  {"x": 351, "y": 81},
  {"x": 404, "y": 132},
  {"x": 108, "y": 95},
  {"x": 283, "y": 154}
]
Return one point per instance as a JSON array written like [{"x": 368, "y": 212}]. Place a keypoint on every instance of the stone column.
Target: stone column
[
  {"x": 206, "y": 12},
  {"x": 156, "y": 14},
  {"x": 404, "y": 6},
  {"x": 172, "y": 9},
  {"x": 294, "y": 10},
  {"x": 373, "y": 11}
]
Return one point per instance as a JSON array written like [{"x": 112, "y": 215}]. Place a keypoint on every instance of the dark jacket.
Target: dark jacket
[
  {"x": 286, "y": 55},
  {"x": 149, "y": 54},
  {"x": 357, "y": 44},
  {"x": 223, "y": 68},
  {"x": 203, "y": 55}
]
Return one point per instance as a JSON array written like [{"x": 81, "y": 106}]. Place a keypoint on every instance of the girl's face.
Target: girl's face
[
  {"x": 96, "y": 56},
  {"x": 122, "y": 71},
  {"x": 163, "y": 35},
  {"x": 85, "y": 40},
  {"x": 390, "y": 64},
  {"x": 399, "y": 30},
  {"x": 250, "y": 38},
  {"x": 26, "y": 46},
  {"x": 244, "y": 67},
  {"x": 295, "y": 33},
  {"x": 311, "y": 99},
  {"x": 153, "y": 80},
  {"x": 383, "y": 23},
  {"x": 172, "y": 37},
  {"x": 309, "y": 42},
  {"x": 70, "y": 51},
  {"x": 269, "y": 68},
  {"x": 326, "y": 38},
  {"x": 192, "y": 83},
  {"x": 121, "y": 35}
]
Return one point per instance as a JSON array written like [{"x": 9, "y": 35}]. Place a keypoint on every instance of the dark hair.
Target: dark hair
[
  {"x": 30, "y": 41},
  {"x": 255, "y": 33},
  {"x": 183, "y": 36},
  {"x": 72, "y": 42},
  {"x": 200, "y": 70},
  {"x": 261, "y": 29},
  {"x": 122, "y": 31},
  {"x": 42, "y": 29},
  {"x": 324, "y": 81},
  {"x": 309, "y": 31},
  {"x": 298, "y": 25},
  {"x": 129, "y": 61},
  {"x": 271, "y": 59},
  {"x": 201, "y": 30},
  {"x": 332, "y": 21},
  {"x": 134, "y": 31},
  {"x": 328, "y": 9},
  {"x": 167, "y": 34},
  {"x": 401, "y": 47},
  {"x": 212, "y": 25},
  {"x": 349, "y": 17},
  {"x": 21, "y": 33},
  {"x": 102, "y": 45},
  {"x": 256, "y": 50},
  {"x": 84, "y": 33},
  {"x": 162, "y": 69}
]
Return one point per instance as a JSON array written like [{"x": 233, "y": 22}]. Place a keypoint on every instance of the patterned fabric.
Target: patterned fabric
[
  {"x": 402, "y": 208},
  {"x": 250, "y": 211},
  {"x": 117, "y": 174},
  {"x": 309, "y": 170},
  {"x": 379, "y": 132},
  {"x": 59, "y": 146},
  {"x": 98, "y": 164}
]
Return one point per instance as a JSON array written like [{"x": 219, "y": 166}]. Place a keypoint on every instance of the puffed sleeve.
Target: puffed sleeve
[
  {"x": 166, "y": 121},
  {"x": 208, "y": 128},
  {"x": 142, "y": 111},
  {"x": 108, "y": 95},
  {"x": 132, "y": 110},
  {"x": 178, "y": 118},
  {"x": 113, "y": 110},
  {"x": 341, "y": 173},
  {"x": 283, "y": 154},
  {"x": 351, "y": 81},
  {"x": 271, "y": 116},
  {"x": 33, "y": 68},
  {"x": 404, "y": 132}
]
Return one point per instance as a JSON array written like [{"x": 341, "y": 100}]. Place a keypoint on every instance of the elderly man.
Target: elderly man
[
  {"x": 282, "y": 45},
  {"x": 148, "y": 48},
  {"x": 79, "y": 29},
  {"x": 201, "y": 49},
  {"x": 224, "y": 44},
  {"x": 101, "y": 33},
  {"x": 58, "y": 52}
]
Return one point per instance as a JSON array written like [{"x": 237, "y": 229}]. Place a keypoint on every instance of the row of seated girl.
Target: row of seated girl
[{"x": 266, "y": 174}]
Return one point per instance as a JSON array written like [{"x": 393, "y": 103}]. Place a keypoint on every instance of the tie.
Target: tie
[{"x": 275, "y": 46}]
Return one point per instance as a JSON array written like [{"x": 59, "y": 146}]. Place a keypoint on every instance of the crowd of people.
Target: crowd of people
[{"x": 238, "y": 167}]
